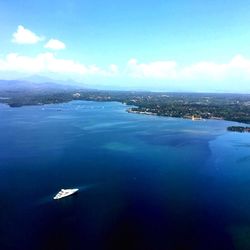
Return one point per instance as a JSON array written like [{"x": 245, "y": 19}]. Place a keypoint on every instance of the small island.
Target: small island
[{"x": 239, "y": 129}]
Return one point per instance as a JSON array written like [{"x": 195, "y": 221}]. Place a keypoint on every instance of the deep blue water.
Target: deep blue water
[{"x": 145, "y": 182}]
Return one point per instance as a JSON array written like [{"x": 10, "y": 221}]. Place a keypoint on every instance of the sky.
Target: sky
[{"x": 159, "y": 45}]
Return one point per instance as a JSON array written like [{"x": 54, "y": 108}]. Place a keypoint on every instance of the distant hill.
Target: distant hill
[
  {"x": 37, "y": 79},
  {"x": 29, "y": 86},
  {"x": 44, "y": 79}
]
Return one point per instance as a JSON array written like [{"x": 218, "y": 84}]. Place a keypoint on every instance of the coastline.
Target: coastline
[
  {"x": 195, "y": 107},
  {"x": 240, "y": 129}
]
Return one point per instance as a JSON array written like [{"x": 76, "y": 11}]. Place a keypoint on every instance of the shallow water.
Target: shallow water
[{"x": 145, "y": 182}]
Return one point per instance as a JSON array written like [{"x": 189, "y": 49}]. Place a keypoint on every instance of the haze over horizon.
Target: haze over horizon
[{"x": 151, "y": 45}]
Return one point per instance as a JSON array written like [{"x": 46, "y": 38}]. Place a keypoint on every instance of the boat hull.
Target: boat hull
[{"x": 65, "y": 193}]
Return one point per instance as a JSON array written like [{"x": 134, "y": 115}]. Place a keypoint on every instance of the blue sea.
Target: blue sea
[{"x": 145, "y": 182}]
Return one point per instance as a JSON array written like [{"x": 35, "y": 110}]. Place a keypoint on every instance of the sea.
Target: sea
[{"x": 145, "y": 182}]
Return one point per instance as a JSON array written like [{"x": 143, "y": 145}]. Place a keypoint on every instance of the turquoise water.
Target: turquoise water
[{"x": 145, "y": 182}]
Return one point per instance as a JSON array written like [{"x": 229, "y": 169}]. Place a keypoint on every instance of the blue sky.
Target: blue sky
[{"x": 157, "y": 45}]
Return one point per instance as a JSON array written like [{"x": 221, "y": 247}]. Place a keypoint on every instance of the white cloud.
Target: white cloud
[
  {"x": 204, "y": 71},
  {"x": 25, "y": 36},
  {"x": 54, "y": 44},
  {"x": 114, "y": 69},
  {"x": 237, "y": 68},
  {"x": 49, "y": 63},
  {"x": 158, "y": 69}
]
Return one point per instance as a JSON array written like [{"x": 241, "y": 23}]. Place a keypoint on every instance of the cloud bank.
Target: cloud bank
[
  {"x": 237, "y": 67},
  {"x": 49, "y": 63}
]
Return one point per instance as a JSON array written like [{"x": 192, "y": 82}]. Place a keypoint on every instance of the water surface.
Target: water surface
[{"x": 145, "y": 182}]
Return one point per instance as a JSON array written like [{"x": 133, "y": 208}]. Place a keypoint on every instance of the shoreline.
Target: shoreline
[
  {"x": 240, "y": 129},
  {"x": 187, "y": 117}
]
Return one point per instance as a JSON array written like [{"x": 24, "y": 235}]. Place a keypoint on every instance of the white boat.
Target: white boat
[{"x": 65, "y": 192}]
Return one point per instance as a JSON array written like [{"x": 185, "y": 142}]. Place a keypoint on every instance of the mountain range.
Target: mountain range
[{"x": 37, "y": 84}]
